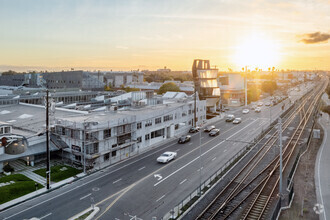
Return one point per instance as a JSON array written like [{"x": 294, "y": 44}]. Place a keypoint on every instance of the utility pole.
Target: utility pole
[
  {"x": 195, "y": 101},
  {"x": 47, "y": 139},
  {"x": 245, "y": 85},
  {"x": 280, "y": 140}
]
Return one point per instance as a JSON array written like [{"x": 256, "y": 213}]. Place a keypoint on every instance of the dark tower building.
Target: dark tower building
[{"x": 206, "y": 83}]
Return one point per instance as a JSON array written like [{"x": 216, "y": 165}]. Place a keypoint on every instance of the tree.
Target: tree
[
  {"x": 269, "y": 87},
  {"x": 129, "y": 89},
  {"x": 168, "y": 87}
]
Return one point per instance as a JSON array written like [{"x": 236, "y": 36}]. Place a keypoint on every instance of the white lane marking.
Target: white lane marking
[
  {"x": 190, "y": 143},
  {"x": 225, "y": 150},
  {"x": 158, "y": 176},
  {"x": 85, "y": 196},
  {"x": 141, "y": 168},
  {"x": 177, "y": 150},
  {"x": 199, "y": 169},
  {"x": 45, "y": 216},
  {"x": 202, "y": 154},
  {"x": 214, "y": 158},
  {"x": 202, "y": 137},
  {"x": 183, "y": 181},
  {"x": 116, "y": 181},
  {"x": 160, "y": 198}
]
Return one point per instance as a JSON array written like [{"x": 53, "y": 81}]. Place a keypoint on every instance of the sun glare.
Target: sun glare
[{"x": 257, "y": 52}]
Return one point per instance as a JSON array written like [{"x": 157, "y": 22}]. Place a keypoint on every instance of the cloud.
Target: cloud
[{"x": 314, "y": 38}]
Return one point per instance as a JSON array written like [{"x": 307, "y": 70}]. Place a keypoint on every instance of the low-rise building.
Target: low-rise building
[{"x": 232, "y": 88}]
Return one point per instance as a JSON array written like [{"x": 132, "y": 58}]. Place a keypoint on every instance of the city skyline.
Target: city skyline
[{"x": 139, "y": 34}]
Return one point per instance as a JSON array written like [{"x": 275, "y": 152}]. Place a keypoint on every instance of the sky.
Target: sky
[{"x": 151, "y": 34}]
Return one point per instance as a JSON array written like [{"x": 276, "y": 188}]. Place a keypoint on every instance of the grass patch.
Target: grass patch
[
  {"x": 22, "y": 186},
  {"x": 85, "y": 215},
  {"x": 56, "y": 174}
]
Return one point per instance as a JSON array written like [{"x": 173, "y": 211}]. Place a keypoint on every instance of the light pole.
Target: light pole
[
  {"x": 200, "y": 162},
  {"x": 280, "y": 140},
  {"x": 47, "y": 140}
]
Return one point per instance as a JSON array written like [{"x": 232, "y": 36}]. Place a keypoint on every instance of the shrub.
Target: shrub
[{"x": 7, "y": 168}]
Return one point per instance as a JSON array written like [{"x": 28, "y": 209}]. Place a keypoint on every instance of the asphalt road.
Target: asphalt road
[{"x": 143, "y": 188}]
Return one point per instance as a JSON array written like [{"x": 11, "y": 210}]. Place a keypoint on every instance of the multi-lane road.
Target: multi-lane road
[{"x": 141, "y": 187}]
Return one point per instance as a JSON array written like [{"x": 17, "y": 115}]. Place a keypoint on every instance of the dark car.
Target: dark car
[
  {"x": 184, "y": 139},
  {"x": 209, "y": 128},
  {"x": 214, "y": 132},
  {"x": 194, "y": 129}
]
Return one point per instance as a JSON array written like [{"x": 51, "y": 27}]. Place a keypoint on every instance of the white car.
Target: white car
[
  {"x": 237, "y": 121},
  {"x": 245, "y": 111},
  {"x": 260, "y": 104},
  {"x": 258, "y": 109},
  {"x": 166, "y": 157}
]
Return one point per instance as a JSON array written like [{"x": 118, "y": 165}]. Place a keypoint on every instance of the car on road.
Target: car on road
[
  {"x": 258, "y": 110},
  {"x": 267, "y": 104},
  {"x": 214, "y": 132},
  {"x": 230, "y": 118},
  {"x": 166, "y": 157},
  {"x": 253, "y": 107},
  {"x": 226, "y": 108},
  {"x": 209, "y": 128},
  {"x": 183, "y": 139},
  {"x": 245, "y": 111},
  {"x": 194, "y": 129},
  {"x": 260, "y": 104},
  {"x": 237, "y": 121}
]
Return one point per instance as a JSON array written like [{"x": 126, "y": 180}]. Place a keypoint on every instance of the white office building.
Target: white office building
[{"x": 114, "y": 135}]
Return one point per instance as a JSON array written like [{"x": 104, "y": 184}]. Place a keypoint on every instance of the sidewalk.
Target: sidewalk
[
  {"x": 322, "y": 174},
  {"x": 20, "y": 167}
]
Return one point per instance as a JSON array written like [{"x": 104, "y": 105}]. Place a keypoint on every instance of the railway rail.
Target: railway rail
[{"x": 254, "y": 186}]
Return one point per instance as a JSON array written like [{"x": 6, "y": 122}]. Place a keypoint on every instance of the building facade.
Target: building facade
[
  {"x": 232, "y": 89},
  {"x": 104, "y": 138}
]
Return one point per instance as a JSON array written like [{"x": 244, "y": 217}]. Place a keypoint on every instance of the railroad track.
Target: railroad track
[{"x": 250, "y": 183}]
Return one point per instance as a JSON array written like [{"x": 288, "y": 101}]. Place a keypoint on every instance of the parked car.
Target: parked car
[
  {"x": 214, "y": 132},
  {"x": 253, "y": 107},
  {"x": 260, "y": 104},
  {"x": 258, "y": 110},
  {"x": 209, "y": 128},
  {"x": 166, "y": 157},
  {"x": 194, "y": 129},
  {"x": 183, "y": 139},
  {"x": 230, "y": 118},
  {"x": 267, "y": 104},
  {"x": 237, "y": 121},
  {"x": 245, "y": 111}
]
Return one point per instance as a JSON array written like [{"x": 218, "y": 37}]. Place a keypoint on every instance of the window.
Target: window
[
  {"x": 139, "y": 139},
  {"x": 106, "y": 156},
  {"x": 176, "y": 127},
  {"x": 76, "y": 148},
  {"x": 148, "y": 123},
  {"x": 113, "y": 153},
  {"x": 77, "y": 158},
  {"x": 147, "y": 137},
  {"x": 184, "y": 114},
  {"x": 139, "y": 125},
  {"x": 168, "y": 118},
  {"x": 189, "y": 112},
  {"x": 114, "y": 145},
  {"x": 158, "y": 120},
  {"x": 157, "y": 133},
  {"x": 107, "y": 133}
]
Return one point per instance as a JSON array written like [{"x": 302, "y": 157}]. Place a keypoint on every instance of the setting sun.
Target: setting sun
[{"x": 257, "y": 52}]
